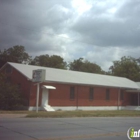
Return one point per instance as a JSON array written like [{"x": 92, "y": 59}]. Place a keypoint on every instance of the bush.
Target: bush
[{"x": 10, "y": 96}]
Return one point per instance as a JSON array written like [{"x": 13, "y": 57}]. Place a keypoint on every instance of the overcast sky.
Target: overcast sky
[{"x": 100, "y": 31}]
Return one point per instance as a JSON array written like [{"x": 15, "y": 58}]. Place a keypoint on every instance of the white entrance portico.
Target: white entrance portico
[{"x": 45, "y": 97}]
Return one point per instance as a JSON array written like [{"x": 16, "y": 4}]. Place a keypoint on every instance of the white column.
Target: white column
[{"x": 37, "y": 97}]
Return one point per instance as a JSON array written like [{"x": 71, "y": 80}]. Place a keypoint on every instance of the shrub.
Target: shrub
[{"x": 10, "y": 96}]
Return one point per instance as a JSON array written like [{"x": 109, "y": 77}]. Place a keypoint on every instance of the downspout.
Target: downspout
[
  {"x": 118, "y": 107},
  {"x": 138, "y": 99}
]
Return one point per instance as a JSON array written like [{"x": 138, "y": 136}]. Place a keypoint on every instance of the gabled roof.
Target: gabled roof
[
  {"x": 74, "y": 77},
  {"x": 138, "y": 83},
  {"x": 135, "y": 90}
]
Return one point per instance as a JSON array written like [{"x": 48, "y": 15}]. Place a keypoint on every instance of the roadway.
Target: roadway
[{"x": 96, "y": 128}]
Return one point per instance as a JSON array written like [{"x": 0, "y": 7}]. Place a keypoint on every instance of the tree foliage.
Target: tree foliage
[
  {"x": 126, "y": 67},
  {"x": 10, "y": 95},
  {"x": 15, "y": 54},
  {"x": 53, "y": 61},
  {"x": 85, "y": 66}
]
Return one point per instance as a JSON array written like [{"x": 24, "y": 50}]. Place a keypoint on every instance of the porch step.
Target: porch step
[{"x": 48, "y": 108}]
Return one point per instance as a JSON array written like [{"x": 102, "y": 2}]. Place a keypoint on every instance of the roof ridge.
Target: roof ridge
[
  {"x": 76, "y": 77},
  {"x": 68, "y": 70}
]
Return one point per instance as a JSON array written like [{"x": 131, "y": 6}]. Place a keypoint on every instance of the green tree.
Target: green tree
[
  {"x": 53, "y": 61},
  {"x": 57, "y": 62},
  {"x": 10, "y": 95},
  {"x": 126, "y": 67},
  {"x": 15, "y": 54},
  {"x": 41, "y": 60},
  {"x": 85, "y": 66}
]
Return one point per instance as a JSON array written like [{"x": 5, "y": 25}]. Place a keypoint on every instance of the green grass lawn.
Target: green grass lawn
[{"x": 64, "y": 114}]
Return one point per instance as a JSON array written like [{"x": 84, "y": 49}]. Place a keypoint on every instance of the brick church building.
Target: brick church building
[{"x": 71, "y": 90}]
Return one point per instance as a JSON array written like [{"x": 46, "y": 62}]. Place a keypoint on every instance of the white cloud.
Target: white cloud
[{"x": 81, "y": 6}]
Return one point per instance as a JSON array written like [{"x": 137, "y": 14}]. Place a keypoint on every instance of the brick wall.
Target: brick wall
[
  {"x": 20, "y": 80},
  {"x": 61, "y": 96}
]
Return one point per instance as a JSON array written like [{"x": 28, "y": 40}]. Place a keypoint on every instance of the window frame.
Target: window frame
[
  {"x": 72, "y": 93},
  {"x": 8, "y": 79},
  {"x": 8, "y": 69},
  {"x": 91, "y": 93},
  {"x": 122, "y": 95},
  {"x": 19, "y": 85},
  {"x": 107, "y": 94}
]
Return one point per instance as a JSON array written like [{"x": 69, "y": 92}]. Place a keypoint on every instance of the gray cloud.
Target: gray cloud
[
  {"x": 99, "y": 34},
  {"x": 129, "y": 10},
  {"x": 26, "y": 22},
  {"x": 103, "y": 30}
]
